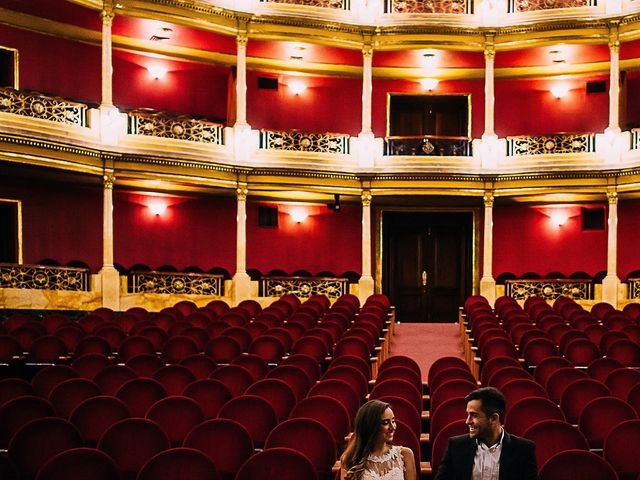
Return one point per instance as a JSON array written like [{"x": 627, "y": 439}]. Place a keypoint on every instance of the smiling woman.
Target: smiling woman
[{"x": 371, "y": 454}]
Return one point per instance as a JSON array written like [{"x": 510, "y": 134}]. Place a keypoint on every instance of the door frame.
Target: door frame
[
  {"x": 475, "y": 239},
  {"x": 18, "y": 226}
]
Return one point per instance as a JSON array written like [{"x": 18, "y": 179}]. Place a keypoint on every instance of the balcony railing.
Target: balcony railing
[
  {"x": 38, "y": 105},
  {"x": 551, "y": 144},
  {"x": 338, "y": 4},
  {"x": 179, "y": 127},
  {"x": 457, "y": 7},
  {"x": 43, "y": 277},
  {"x": 519, "y": 6},
  {"x": 303, "y": 286},
  {"x": 549, "y": 289},
  {"x": 428, "y": 145},
  {"x": 298, "y": 141},
  {"x": 635, "y": 139},
  {"x": 176, "y": 283},
  {"x": 633, "y": 291}
]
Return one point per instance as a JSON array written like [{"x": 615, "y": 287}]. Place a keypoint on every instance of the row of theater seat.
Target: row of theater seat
[
  {"x": 248, "y": 384},
  {"x": 589, "y": 401}
]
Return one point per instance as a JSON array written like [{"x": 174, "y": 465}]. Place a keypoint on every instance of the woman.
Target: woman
[{"x": 370, "y": 454}]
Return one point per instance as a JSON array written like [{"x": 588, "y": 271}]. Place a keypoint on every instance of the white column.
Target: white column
[
  {"x": 107, "y": 62},
  {"x": 109, "y": 276},
  {"x": 614, "y": 81},
  {"x": 489, "y": 95},
  {"x": 366, "y": 284},
  {"x": 367, "y": 88},
  {"x": 611, "y": 283},
  {"x": 241, "y": 281},
  {"x": 487, "y": 282},
  {"x": 241, "y": 79}
]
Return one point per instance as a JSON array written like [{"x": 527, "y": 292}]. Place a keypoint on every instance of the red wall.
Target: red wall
[
  {"x": 325, "y": 241},
  {"x": 527, "y": 107},
  {"x": 50, "y": 65},
  {"x": 53, "y": 224},
  {"x": 327, "y": 105},
  {"x": 382, "y": 87},
  {"x": 191, "y": 231},
  {"x": 524, "y": 240},
  {"x": 628, "y": 228},
  {"x": 189, "y": 88}
]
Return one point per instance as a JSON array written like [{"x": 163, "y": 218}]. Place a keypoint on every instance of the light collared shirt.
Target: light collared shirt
[{"x": 486, "y": 465}]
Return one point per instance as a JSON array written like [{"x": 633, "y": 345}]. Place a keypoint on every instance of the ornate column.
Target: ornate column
[
  {"x": 109, "y": 276},
  {"x": 241, "y": 281},
  {"x": 367, "y": 87},
  {"x": 487, "y": 282},
  {"x": 614, "y": 80},
  {"x": 489, "y": 95},
  {"x": 366, "y": 284},
  {"x": 107, "y": 63},
  {"x": 611, "y": 283},
  {"x": 241, "y": 78}
]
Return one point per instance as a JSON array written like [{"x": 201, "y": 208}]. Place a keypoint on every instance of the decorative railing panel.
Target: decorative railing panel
[
  {"x": 179, "y": 127},
  {"x": 339, "y": 4},
  {"x": 428, "y": 145},
  {"x": 176, "y": 283},
  {"x": 304, "y": 142},
  {"x": 549, "y": 289},
  {"x": 635, "y": 139},
  {"x": 429, "y": 6},
  {"x": 633, "y": 288},
  {"x": 551, "y": 144},
  {"x": 519, "y": 6},
  {"x": 42, "y": 277},
  {"x": 303, "y": 286},
  {"x": 37, "y": 105}
]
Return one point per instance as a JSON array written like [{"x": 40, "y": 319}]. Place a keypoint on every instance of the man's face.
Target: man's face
[{"x": 480, "y": 426}]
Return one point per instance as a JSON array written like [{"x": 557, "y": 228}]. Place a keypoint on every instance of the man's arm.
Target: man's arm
[
  {"x": 445, "y": 470},
  {"x": 529, "y": 464}
]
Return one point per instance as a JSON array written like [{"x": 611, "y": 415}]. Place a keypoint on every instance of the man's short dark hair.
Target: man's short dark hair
[{"x": 491, "y": 401}]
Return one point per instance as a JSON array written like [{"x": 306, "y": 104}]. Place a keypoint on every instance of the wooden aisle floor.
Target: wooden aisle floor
[{"x": 426, "y": 342}]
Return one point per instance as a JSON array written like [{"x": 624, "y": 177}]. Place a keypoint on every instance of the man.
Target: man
[{"x": 488, "y": 452}]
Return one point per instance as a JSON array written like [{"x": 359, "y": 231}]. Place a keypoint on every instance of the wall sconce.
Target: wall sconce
[
  {"x": 559, "y": 218},
  {"x": 299, "y": 215},
  {"x": 557, "y": 55},
  {"x": 297, "y": 87},
  {"x": 559, "y": 91},
  {"x": 157, "y": 72},
  {"x": 157, "y": 207},
  {"x": 429, "y": 83}
]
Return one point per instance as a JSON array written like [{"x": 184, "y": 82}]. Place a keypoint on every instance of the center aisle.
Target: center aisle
[{"x": 426, "y": 342}]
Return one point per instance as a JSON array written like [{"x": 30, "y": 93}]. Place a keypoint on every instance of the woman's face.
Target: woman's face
[{"x": 387, "y": 426}]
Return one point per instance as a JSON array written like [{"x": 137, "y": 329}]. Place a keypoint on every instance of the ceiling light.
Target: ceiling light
[
  {"x": 157, "y": 71},
  {"x": 559, "y": 91},
  {"x": 429, "y": 83},
  {"x": 297, "y": 87}
]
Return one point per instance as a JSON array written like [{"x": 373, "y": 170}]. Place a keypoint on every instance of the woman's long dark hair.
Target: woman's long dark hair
[{"x": 365, "y": 433}]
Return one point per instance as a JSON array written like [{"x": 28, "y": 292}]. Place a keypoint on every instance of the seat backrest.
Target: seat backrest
[
  {"x": 178, "y": 463},
  {"x": 224, "y": 441},
  {"x": 538, "y": 349},
  {"x": 600, "y": 368},
  {"x": 69, "y": 394},
  {"x": 138, "y": 394},
  {"x": 223, "y": 349},
  {"x": 277, "y": 464},
  {"x": 269, "y": 347},
  {"x": 135, "y": 345},
  {"x": 328, "y": 411},
  {"x": 174, "y": 378},
  {"x": 621, "y": 381},
  {"x": 450, "y": 374},
  {"x": 450, "y": 389},
  {"x": 341, "y": 391},
  {"x": 254, "y": 413},
  {"x": 47, "y": 349},
  {"x": 95, "y": 415},
  {"x": 506, "y": 374},
  {"x": 489, "y": 367},
  {"x": 16, "y": 413},
  {"x": 625, "y": 350},
  {"x": 621, "y": 449},
  {"x": 600, "y": 415},
  {"x": 11, "y": 388},
  {"x": 439, "y": 445},
  {"x": 560, "y": 379},
  {"x": 546, "y": 367},
  {"x": 177, "y": 415},
  {"x": 581, "y": 351},
  {"x": 90, "y": 364},
  {"x": 578, "y": 394},
  {"x": 408, "y": 362},
  {"x": 554, "y": 436},
  {"x": 236, "y": 378},
  {"x": 404, "y": 373},
  {"x": 180, "y": 347},
  {"x": 46, "y": 379},
  {"x": 293, "y": 376},
  {"x": 79, "y": 463},
  {"x": 400, "y": 388},
  {"x": 310, "y": 365},
  {"x": 577, "y": 464},
  {"x": 520, "y": 388},
  {"x": 528, "y": 411},
  {"x": 199, "y": 364},
  {"x": 449, "y": 411},
  {"x": 277, "y": 392},
  {"x": 354, "y": 377},
  {"x": 210, "y": 394}
]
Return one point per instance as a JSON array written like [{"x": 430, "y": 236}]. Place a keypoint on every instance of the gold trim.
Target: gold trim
[{"x": 19, "y": 220}]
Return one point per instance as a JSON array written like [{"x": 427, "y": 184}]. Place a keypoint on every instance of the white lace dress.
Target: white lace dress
[{"x": 389, "y": 466}]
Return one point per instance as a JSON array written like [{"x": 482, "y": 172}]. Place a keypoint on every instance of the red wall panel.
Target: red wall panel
[
  {"x": 628, "y": 228},
  {"x": 325, "y": 241},
  {"x": 51, "y": 65},
  {"x": 525, "y": 240},
  {"x": 191, "y": 231},
  {"x": 54, "y": 226},
  {"x": 327, "y": 105},
  {"x": 189, "y": 88},
  {"x": 527, "y": 107},
  {"x": 382, "y": 87}
]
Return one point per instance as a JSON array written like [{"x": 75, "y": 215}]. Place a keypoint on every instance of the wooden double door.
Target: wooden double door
[{"x": 427, "y": 263}]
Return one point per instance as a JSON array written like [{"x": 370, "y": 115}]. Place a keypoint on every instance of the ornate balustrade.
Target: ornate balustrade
[
  {"x": 428, "y": 145},
  {"x": 38, "y": 105},
  {"x": 338, "y": 4},
  {"x": 429, "y": 6},
  {"x": 43, "y": 277},
  {"x": 298, "y": 141},
  {"x": 551, "y": 144},
  {"x": 176, "y": 283},
  {"x": 179, "y": 127},
  {"x": 519, "y": 6},
  {"x": 549, "y": 289},
  {"x": 633, "y": 290},
  {"x": 635, "y": 139},
  {"x": 303, "y": 286}
]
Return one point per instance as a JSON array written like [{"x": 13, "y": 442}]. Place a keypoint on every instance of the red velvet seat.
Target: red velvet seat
[
  {"x": 179, "y": 464},
  {"x": 157, "y": 335},
  {"x": 254, "y": 413},
  {"x": 403, "y": 373},
  {"x": 79, "y": 463},
  {"x": 133, "y": 346},
  {"x": 311, "y": 366},
  {"x": 341, "y": 391},
  {"x": 328, "y": 411},
  {"x": 138, "y": 394},
  {"x": 179, "y": 347},
  {"x": 352, "y": 346},
  {"x": 277, "y": 464},
  {"x": 177, "y": 415},
  {"x": 110, "y": 379},
  {"x": 449, "y": 411},
  {"x": 554, "y": 436},
  {"x": 69, "y": 394},
  {"x": 314, "y": 347},
  {"x": 453, "y": 373},
  {"x": 268, "y": 347},
  {"x": 600, "y": 415},
  {"x": 88, "y": 365},
  {"x": 47, "y": 349},
  {"x": 354, "y": 377},
  {"x": 240, "y": 334},
  {"x": 95, "y": 415},
  {"x": 576, "y": 464},
  {"x": 92, "y": 344},
  {"x": 18, "y": 412},
  {"x": 626, "y": 351},
  {"x": 210, "y": 394},
  {"x": 225, "y": 442},
  {"x": 113, "y": 334},
  {"x": 506, "y": 374},
  {"x": 439, "y": 444},
  {"x": 621, "y": 381},
  {"x": 174, "y": 378},
  {"x": 633, "y": 398},
  {"x": 46, "y": 379},
  {"x": 400, "y": 388},
  {"x": 529, "y": 411},
  {"x": 408, "y": 362},
  {"x": 223, "y": 349},
  {"x": 277, "y": 392},
  {"x": 199, "y": 364},
  {"x": 519, "y": 388},
  {"x": 560, "y": 379},
  {"x": 578, "y": 394},
  {"x": 236, "y": 378},
  {"x": 11, "y": 388},
  {"x": 581, "y": 352},
  {"x": 450, "y": 389},
  {"x": 490, "y": 367},
  {"x": 621, "y": 449},
  {"x": 9, "y": 348},
  {"x": 600, "y": 368}
]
